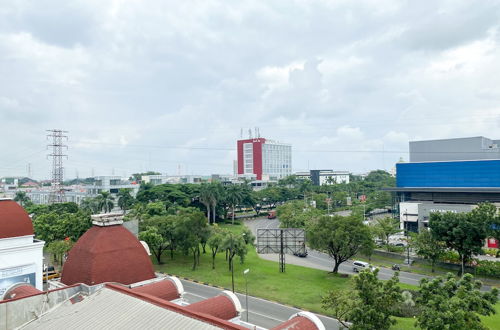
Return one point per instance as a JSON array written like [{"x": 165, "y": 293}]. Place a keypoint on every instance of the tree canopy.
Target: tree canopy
[
  {"x": 448, "y": 303},
  {"x": 340, "y": 237}
]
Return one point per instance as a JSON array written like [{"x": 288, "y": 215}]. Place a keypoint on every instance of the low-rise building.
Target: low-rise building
[
  {"x": 325, "y": 177},
  {"x": 21, "y": 255}
]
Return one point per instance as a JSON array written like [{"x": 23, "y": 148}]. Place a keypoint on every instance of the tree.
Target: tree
[
  {"x": 59, "y": 249},
  {"x": 296, "y": 214},
  {"x": 53, "y": 226},
  {"x": 206, "y": 198},
  {"x": 233, "y": 197},
  {"x": 216, "y": 194},
  {"x": 386, "y": 227},
  {"x": 166, "y": 227},
  {"x": 248, "y": 236},
  {"x": 22, "y": 199},
  {"x": 125, "y": 199},
  {"x": 341, "y": 304},
  {"x": 215, "y": 242},
  {"x": 462, "y": 232},
  {"x": 154, "y": 240},
  {"x": 341, "y": 237},
  {"x": 427, "y": 246},
  {"x": 106, "y": 201},
  {"x": 375, "y": 301},
  {"x": 234, "y": 245},
  {"x": 448, "y": 303},
  {"x": 90, "y": 204},
  {"x": 190, "y": 231}
]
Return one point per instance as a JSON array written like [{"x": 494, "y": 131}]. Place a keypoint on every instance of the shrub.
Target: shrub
[
  {"x": 407, "y": 308},
  {"x": 491, "y": 252},
  {"x": 450, "y": 256},
  {"x": 488, "y": 268}
]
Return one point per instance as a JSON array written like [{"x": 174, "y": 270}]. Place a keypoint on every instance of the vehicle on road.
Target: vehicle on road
[
  {"x": 358, "y": 266},
  {"x": 396, "y": 267},
  {"x": 50, "y": 273},
  {"x": 271, "y": 215},
  {"x": 301, "y": 254}
]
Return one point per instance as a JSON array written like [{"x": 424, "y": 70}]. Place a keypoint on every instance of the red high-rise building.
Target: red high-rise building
[{"x": 264, "y": 158}]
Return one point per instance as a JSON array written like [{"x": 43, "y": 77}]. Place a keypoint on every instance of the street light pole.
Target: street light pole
[
  {"x": 407, "y": 242},
  {"x": 232, "y": 263},
  {"x": 245, "y": 272}
]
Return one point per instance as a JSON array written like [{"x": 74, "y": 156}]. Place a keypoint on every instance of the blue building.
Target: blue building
[{"x": 451, "y": 175}]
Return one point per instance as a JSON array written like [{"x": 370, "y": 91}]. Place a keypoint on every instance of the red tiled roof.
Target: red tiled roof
[
  {"x": 297, "y": 323},
  {"x": 165, "y": 289},
  {"x": 20, "y": 291},
  {"x": 107, "y": 254},
  {"x": 14, "y": 221},
  {"x": 221, "y": 307}
]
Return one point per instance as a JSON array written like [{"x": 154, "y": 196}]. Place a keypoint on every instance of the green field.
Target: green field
[{"x": 299, "y": 286}]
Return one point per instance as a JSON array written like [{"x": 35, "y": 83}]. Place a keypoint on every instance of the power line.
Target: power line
[{"x": 382, "y": 151}]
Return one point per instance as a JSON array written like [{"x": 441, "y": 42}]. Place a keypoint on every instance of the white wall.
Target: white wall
[{"x": 19, "y": 257}]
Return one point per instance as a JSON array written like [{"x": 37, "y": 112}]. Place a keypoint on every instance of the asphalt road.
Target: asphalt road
[
  {"x": 261, "y": 312},
  {"x": 322, "y": 261}
]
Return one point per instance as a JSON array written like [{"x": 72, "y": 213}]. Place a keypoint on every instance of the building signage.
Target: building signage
[
  {"x": 10, "y": 276},
  {"x": 442, "y": 211}
]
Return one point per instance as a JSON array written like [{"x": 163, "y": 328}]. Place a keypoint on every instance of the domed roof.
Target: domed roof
[
  {"x": 107, "y": 254},
  {"x": 165, "y": 289},
  {"x": 14, "y": 221},
  {"x": 20, "y": 290}
]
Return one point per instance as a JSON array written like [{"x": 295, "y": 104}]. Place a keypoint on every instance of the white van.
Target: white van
[{"x": 361, "y": 265}]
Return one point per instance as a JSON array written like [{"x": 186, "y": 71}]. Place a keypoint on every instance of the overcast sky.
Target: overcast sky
[{"x": 168, "y": 85}]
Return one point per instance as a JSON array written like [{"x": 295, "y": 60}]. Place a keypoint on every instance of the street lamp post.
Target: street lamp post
[
  {"x": 407, "y": 241},
  {"x": 245, "y": 272},
  {"x": 232, "y": 263},
  {"x": 232, "y": 260}
]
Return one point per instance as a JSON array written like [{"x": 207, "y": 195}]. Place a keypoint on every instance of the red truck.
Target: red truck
[{"x": 271, "y": 215}]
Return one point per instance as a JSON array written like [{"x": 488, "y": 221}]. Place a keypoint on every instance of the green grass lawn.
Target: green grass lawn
[{"x": 299, "y": 286}]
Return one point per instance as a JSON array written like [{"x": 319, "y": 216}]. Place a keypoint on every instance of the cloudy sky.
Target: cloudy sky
[{"x": 168, "y": 85}]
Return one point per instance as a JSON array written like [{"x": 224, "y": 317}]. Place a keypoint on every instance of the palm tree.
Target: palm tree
[
  {"x": 216, "y": 192},
  {"x": 206, "y": 198},
  {"x": 106, "y": 201},
  {"x": 125, "y": 200},
  {"x": 234, "y": 196},
  {"x": 90, "y": 204},
  {"x": 22, "y": 198}
]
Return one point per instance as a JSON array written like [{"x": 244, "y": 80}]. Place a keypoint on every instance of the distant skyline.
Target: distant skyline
[{"x": 168, "y": 85}]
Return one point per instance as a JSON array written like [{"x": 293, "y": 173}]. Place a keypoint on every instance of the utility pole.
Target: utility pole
[
  {"x": 282, "y": 253},
  {"x": 57, "y": 173}
]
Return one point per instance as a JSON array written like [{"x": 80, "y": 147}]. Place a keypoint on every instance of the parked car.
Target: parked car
[{"x": 361, "y": 265}]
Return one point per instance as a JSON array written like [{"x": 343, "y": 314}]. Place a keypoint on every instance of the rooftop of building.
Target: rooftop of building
[
  {"x": 107, "y": 252},
  {"x": 14, "y": 220},
  {"x": 139, "y": 305}
]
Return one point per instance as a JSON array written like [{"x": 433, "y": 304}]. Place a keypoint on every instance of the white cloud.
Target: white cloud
[{"x": 329, "y": 75}]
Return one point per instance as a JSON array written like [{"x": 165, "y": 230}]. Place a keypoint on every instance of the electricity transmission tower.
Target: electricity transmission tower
[{"x": 57, "y": 173}]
